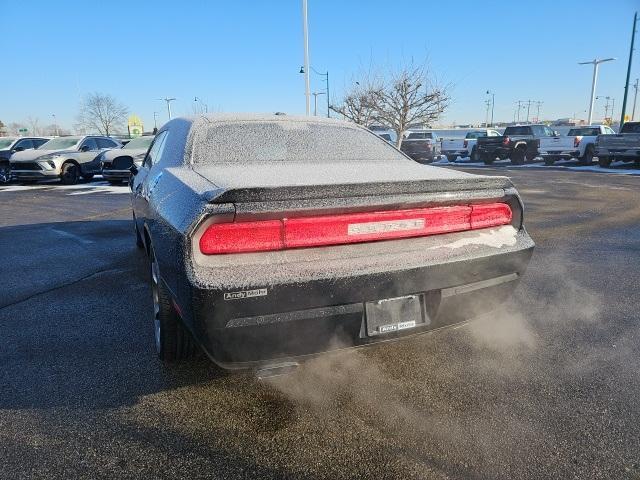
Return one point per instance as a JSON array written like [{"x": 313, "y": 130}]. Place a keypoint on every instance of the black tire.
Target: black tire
[
  {"x": 452, "y": 158},
  {"x": 139, "y": 242},
  {"x": 604, "y": 161},
  {"x": 487, "y": 159},
  {"x": 587, "y": 158},
  {"x": 70, "y": 173},
  {"x": 87, "y": 176},
  {"x": 474, "y": 156},
  {"x": 115, "y": 181},
  {"x": 518, "y": 156},
  {"x": 531, "y": 156},
  {"x": 173, "y": 341},
  {"x": 549, "y": 160}
]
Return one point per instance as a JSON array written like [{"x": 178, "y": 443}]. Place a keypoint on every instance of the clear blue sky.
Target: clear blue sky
[{"x": 245, "y": 55}]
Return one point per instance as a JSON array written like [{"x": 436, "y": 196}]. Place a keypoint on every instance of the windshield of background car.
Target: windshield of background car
[
  {"x": 60, "y": 143},
  {"x": 139, "y": 143},
  {"x": 630, "y": 128},
  {"x": 420, "y": 136},
  {"x": 517, "y": 131},
  {"x": 585, "y": 132},
  {"x": 282, "y": 141},
  {"x": 6, "y": 142}
]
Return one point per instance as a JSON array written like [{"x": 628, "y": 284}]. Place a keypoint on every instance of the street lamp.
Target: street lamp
[
  {"x": 493, "y": 104},
  {"x": 155, "y": 122},
  {"x": 596, "y": 63},
  {"x": 315, "y": 102},
  {"x": 305, "y": 41},
  {"x": 326, "y": 79},
  {"x": 168, "y": 100},
  {"x": 206, "y": 107}
]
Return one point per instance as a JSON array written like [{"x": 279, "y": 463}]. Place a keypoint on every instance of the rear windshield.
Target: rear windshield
[
  {"x": 139, "y": 143},
  {"x": 281, "y": 141},
  {"x": 630, "y": 128},
  {"x": 517, "y": 131},
  {"x": 476, "y": 134},
  {"x": 420, "y": 136},
  {"x": 386, "y": 136},
  {"x": 584, "y": 132}
]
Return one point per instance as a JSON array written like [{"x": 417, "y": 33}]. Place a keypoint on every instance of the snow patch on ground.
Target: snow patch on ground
[
  {"x": 617, "y": 168},
  {"x": 80, "y": 189}
]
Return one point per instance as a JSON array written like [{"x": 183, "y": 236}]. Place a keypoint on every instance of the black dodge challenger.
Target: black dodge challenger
[{"x": 271, "y": 238}]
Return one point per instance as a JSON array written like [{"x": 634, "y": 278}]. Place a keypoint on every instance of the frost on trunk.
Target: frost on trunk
[{"x": 101, "y": 113}]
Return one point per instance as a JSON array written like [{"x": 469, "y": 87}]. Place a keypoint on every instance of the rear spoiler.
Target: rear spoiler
[{"x": 306, "y": 192}]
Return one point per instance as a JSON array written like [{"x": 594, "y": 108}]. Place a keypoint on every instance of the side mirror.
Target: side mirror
[
  {"x": 84, "y": 148},
  {"x": 133, "y": 169},
  {"x": 18, "y": 149}
]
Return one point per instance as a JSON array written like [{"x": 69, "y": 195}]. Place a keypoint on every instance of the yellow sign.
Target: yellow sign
[{"x": 135, "y": 126}]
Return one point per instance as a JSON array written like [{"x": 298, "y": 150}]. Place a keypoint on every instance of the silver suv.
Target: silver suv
[{"x": 66, "y": 158}]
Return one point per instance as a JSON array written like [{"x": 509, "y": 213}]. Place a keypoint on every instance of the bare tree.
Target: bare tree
[
  {"x": 33, "y": 122},
  {"x": 13, "y": 128},
  {"x": 408, "y": 97},
  {"x": 101, "y": 112},
  {"x": 357, "y": 106},
  {"x": 404, "y": 96},
  {"x": 3, "y": 130}
]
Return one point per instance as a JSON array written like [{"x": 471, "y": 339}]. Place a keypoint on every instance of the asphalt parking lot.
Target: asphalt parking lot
[{"x": 545, "y": 388}]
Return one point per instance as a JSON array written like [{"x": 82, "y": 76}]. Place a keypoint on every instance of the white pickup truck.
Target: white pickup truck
[
  {"x": 578, "y": 143},
  {"x": 453, "y": 148}
]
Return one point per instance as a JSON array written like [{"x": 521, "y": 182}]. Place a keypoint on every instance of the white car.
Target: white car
[
  {"x": 578, "y": 143},
  {"x": 453, "y": 148}
]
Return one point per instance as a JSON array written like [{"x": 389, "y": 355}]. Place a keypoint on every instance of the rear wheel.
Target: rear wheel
[
  {"x": 549, "y": 160},
  {"x": 518, "y": 156},
  {"x": 587, "y": 158},
  {"x": 487, "y": 159},
  {"x": 173, "y": 341},
  {"x": 452, "y": 158},
  {"x": 69, "y": 174},
  {"x": 531, "y": 156},
  {"x": 604, "y": 161},
  {"x": 475, "y": 156}
]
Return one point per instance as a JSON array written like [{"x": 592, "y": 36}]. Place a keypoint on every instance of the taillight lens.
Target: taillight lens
[
  {"x": 465, "y": 144},
  {"x": 576, "y": 142},
  {"x": 506, "y": 140},
  {"x": 243, "y": 237}
]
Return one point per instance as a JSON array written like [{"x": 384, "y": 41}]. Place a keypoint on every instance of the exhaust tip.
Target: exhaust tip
[{"x": 276, "y": 370}]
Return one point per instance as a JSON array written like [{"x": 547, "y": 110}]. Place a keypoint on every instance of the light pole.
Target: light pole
[
  {"x": 305, "y": 40},
  {"x": 596, "y": 63},
  {"x": 155, "y": 122},
  {"x": 538, "y": 103},
  {"x": 635, "y": 97},
  {"x": 487, "y": 102},
  {"x": 55, "y": 123},
  {"x": 315, "y": 102},
  {"x": 326, "y": 79},
  {"x": 626, "y": 84},
  {"x": 168, "y": 100},
  {"x": 206, "y": 107},
  {"x": 493, "y": 104}
]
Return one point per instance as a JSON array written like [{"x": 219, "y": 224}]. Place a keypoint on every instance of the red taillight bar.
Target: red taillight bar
[
  {"x": 261, "y": 236},
  {"x": 506, "y": 140},
  {"x": 576, "y": 142}
]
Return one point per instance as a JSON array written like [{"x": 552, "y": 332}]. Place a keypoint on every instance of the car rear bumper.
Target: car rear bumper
[
  {"x": 627, "y": 153},
  {"x": 560, "y": 154},
  {"x": 459, "y": 152},
  {"x": 108, "y": 174},
  {"x": 249, "y": 326},
  {"x": 495, "y": 150}
]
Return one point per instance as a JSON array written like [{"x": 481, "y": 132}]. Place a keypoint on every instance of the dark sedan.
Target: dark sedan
[
  {"x": 421, "y": 146},
  {"x": 272, "y": 238}
]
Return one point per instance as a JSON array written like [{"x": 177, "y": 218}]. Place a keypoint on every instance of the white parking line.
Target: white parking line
[{"x": 80, "y": 189}]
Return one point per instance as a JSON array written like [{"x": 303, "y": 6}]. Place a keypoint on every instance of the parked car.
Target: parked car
[
  {"x": 518, "y": 142},
  {"x": 273, "y": 238},
  {"x": 385, "y": 136},
  {"x": 116, "y": 163},
  {"x": 578, "y": 143},
  {"x": 465, "y": 147},
  {"x": 66, "y": 158},
  {"x": 421, "y": 145},
  {"x": 623, "y": 146},
  {"x": 11, "y": 145}
]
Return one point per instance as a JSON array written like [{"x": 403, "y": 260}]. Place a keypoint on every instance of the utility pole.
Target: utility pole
[
  {"x": 55, "y": 123},
  {"x": 528, "y": 108},
  {"x": 626, "y": 85},
  {"x": 305, "y": 34},
  {"x": 635, "y": 97},
  {"x": 155, "y": 122},
  {"x": 168, "y": 100},
  {"x": 520, "y": 106},
  {"x": 596, "y": 63},
  {"x": 493, "y": 104},
  {"x": 538, "y": 103},
  {"x": 315, "y": 102}
]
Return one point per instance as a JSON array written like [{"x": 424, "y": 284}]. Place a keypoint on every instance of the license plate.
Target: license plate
[{"x": 394, "y": 314}]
